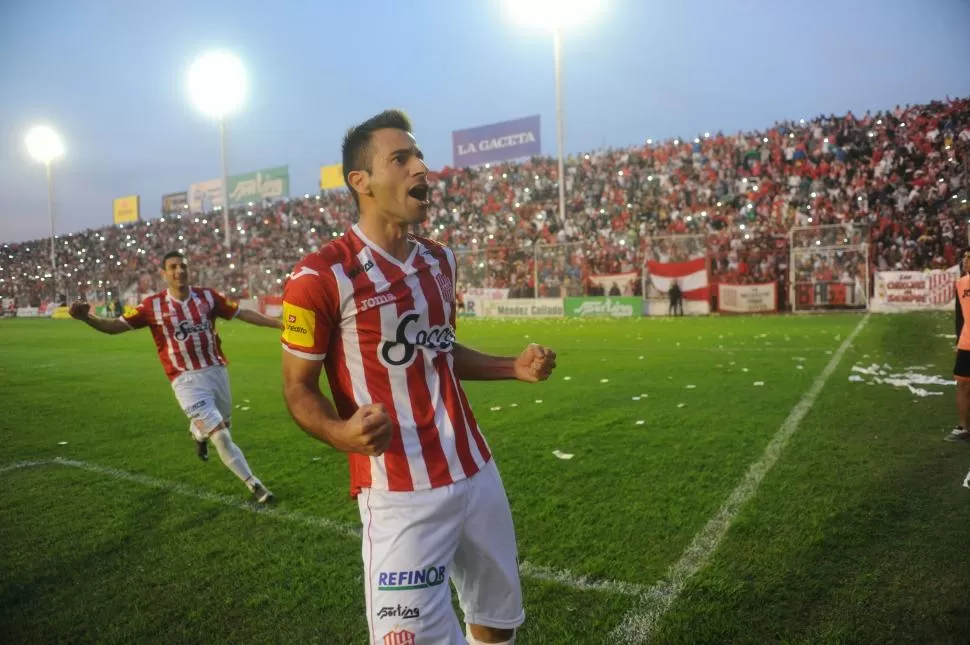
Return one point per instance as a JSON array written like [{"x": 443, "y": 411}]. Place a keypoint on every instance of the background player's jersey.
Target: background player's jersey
[
  {"x": 385, "y": 330},
  {"x": 185, "y": 330}
]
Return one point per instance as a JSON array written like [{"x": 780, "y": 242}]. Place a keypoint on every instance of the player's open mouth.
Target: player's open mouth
[{"x": 422, "y": 193}]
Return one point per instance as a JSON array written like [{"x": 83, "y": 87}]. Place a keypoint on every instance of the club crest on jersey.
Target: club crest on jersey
[
  {"x": 408, "y": 337},
  {"x": 447, "y": 291},
  {"x": 399, "y": 637}
]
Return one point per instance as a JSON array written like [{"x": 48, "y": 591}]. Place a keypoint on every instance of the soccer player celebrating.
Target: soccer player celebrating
[
  {"x": 377, "y": 309},
  {"x": 183, "y": 324}
]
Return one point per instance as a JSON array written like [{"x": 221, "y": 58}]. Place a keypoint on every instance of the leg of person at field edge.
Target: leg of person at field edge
[
  {"x": 961, "y": 396},
  {"x": 486, "y": 571},
  {"x": 963, "y": 401},
  {"x": 961, "y": 372}
]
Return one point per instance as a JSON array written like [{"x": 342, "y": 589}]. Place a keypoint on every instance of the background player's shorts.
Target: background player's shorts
[
  {"x": 414, "y": 542},
  {"x": 205, "y": 398},
  {"x": 962, "y": 368}
]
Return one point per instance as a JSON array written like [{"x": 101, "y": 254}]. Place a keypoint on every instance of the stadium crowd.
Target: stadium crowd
[{"x": 897, "y": 179}]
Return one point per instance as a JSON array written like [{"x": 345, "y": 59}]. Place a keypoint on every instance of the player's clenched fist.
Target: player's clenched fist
[
  {"x": 369, "y": 431},
  {"x": 80, "y": 310},
  {"x": 535, "y": 363}
]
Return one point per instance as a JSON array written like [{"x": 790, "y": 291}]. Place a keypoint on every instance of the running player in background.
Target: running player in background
[
  {"x": 183, "y": 324},
  {"x": 377, "y": 309}
]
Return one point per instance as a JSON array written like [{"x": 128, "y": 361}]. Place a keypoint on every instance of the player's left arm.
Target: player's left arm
[
  {"x": 258, "y": 319},
  {"x": 534, "y": 364},
  {"x": 230, "y": 310}
]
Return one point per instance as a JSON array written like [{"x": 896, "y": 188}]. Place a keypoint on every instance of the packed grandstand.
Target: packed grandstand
[{"x": 829, "y": 200}]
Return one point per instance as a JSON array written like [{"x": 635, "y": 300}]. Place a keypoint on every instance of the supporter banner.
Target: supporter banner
[
  {"x": 205, "y": 196},
  {"x": 486, "y": 293},
  {"x": 126, "y": 209},
  {"x": 616, "y": 307},
  {"x": 747, "y": 298},
  {"x": 833, "y": 295},
  {"x": 268, "y": 183},
  {"x": 174, "y": 203},
  {"x": 496, "y": 142},
  {"x": 521, "y": 308},
  {"x": 332, "y": 176},
  {"x": 690, "y": 275},
  {"x": 623, "y": 281},
  {"x": 898, "y": 291}
]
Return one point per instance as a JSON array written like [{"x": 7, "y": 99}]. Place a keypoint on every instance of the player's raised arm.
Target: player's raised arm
[
  {"x": 258, "y": 319},
  {"x": 82, "y": 311},
  {"x": 534, "y": 364}
]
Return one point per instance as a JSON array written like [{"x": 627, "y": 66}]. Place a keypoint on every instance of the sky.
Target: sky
[{"x": 110, "y": 77}]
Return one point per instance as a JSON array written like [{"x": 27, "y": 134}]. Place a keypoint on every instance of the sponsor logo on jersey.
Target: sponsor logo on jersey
[
  {"x": 185, "y": 328},
  {"x": 408, "y": 580},
  {"x": 300, "y": 325},
  {"x": 360, "y": 268},
  {"x": 302, "y": 272},
  {"x": 376, "y": 301},
  {"x": 401, "y": 351},
  {"x": 399, "y": 612}
]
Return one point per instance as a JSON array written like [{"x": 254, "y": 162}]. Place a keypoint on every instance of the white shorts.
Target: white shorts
[
  {"x": 413, "y": 542},
  {"x": 205, "y": 398}
]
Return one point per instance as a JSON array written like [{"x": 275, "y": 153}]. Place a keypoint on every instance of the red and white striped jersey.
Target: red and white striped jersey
[
  {"x": 185, "y": 330},
  {"x": 385, "y": 330}
]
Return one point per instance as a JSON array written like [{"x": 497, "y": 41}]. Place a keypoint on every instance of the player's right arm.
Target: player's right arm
[
  {"x": 310, "y": 317},
  {"x": 82, "y": 311}
]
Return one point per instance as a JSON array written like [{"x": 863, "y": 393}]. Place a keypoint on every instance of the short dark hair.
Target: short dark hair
[
  {"x": 170, "y": 255},
  {"x": 356, "y": 147}
]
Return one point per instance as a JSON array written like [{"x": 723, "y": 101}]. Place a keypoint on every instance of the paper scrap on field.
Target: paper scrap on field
[
  {"x": 562, "y": 455},
  {"x": 883, "y": 375}
]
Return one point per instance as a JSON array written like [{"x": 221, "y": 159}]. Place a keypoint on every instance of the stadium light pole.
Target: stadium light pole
[
  {"x": 44, "y": 145},
  {"x": 555, "y": 15},
  {"x": 217, "y": 87}
]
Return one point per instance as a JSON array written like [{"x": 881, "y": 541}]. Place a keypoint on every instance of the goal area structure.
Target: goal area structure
[{"x": 829, "y": 268}]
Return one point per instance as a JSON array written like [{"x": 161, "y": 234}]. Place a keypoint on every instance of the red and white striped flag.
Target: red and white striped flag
[{"x": 690, "y": 275}]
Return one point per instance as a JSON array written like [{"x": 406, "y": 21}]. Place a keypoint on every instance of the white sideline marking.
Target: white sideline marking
[
  {"x": 527, "y": 569},
  {"x": 639, "y": 625}
]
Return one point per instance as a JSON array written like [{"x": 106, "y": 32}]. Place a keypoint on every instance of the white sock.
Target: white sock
[
  {"x": 473, "y": 641},
  {"x": 232, "y": 456}
]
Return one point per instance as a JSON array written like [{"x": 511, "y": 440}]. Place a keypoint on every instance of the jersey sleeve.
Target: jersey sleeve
[
  {"x": 310, "y": 312},
  {"x": 140, "y": 317},
  {"x": 224, "y": 307}
]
